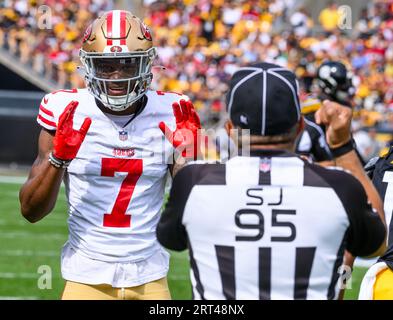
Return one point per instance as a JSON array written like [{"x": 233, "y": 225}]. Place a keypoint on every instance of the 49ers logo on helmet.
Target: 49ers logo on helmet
[
  {"x": 145, "y": 32},
  {"x": 116, "y": 49},
  {"x": 87, "y": 33}
]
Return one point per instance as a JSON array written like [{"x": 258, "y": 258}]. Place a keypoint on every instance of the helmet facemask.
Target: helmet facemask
[{"x": 118, "y": 79}]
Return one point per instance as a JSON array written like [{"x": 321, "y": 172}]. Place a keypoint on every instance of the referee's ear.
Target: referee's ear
[
  {"x": 300, "y": 126},
  {"x": 228, "y": 127}
]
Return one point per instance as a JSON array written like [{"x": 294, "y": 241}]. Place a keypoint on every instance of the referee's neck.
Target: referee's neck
[
  {"x": 269, "y": 150},
  {"x": 288, "y": 146}
]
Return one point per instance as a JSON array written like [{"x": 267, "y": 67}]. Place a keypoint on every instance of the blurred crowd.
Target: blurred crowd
[
  {"x": 201, "y": 43},
  {"x": 49, "y": 45}
]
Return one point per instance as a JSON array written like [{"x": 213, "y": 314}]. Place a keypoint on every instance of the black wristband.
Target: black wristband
[
  {"x": 345, "y": 148},
  {"x": 57, "y": 162}
]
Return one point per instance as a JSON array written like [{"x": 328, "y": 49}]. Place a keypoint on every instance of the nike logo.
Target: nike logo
[
  {"x": 244, "y": 119},
  {"x": 45, "y": 100}
]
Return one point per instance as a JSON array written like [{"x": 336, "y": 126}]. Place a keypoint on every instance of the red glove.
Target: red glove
[
  {"x": 186, "y": 137},
  {"x": 67, "y": 141}
]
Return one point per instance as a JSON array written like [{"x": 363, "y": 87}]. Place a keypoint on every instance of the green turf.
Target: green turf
[
  {"x": 357, "y": 276},
  {"x": 24, "y": 247}
]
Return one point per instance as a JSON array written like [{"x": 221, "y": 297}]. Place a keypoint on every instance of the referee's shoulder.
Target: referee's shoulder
[
  {"x": 335, "y": 177},
  {"x": 201, "y": 172}
]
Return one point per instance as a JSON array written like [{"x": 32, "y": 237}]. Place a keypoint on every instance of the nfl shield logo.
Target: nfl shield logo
[
  {"x": 123, "y": 135},
  {"x": 264, "y": 165}
]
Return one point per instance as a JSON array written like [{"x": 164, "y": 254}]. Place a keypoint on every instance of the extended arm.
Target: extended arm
[
  {"x": 39, "y": 193},
  {"x": 337, "y": 119}
]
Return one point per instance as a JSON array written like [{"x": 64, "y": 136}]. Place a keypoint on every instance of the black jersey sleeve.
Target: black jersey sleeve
[
  {"x": 366, "y": 231},
  {"x": 171, "y": 233}
]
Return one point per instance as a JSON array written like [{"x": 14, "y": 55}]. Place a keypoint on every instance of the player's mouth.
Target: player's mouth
[{"x": 117, "y": 91}]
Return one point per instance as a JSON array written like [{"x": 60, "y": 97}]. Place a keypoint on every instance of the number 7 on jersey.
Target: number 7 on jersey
[{"x": 134, "y": 167}]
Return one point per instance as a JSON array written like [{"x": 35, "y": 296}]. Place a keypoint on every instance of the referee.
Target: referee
[{"x": 273, "y": 226}]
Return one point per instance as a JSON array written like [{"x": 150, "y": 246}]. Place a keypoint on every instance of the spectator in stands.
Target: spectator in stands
[{"x": 330, "y": 17}]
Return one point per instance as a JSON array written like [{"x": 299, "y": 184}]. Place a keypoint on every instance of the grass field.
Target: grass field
[{"x": 24, "y": 247}]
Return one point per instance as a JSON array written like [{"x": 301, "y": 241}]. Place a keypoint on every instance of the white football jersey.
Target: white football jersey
[{"x": 115, "y": 185}]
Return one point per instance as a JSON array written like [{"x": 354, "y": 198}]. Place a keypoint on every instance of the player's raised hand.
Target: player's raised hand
[
  {"x": 337, "y": 119},
  {"x": 67, "y": 140},
  {"x": 186, "y": 137}
]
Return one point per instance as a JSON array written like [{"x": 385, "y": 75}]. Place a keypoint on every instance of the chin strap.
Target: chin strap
[
  {"x": 107, "y": 100},
  {"x": 140, "y": 107}
]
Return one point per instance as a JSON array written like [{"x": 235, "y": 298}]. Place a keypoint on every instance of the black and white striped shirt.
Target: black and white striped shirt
[{"x": 270, "y": 226}]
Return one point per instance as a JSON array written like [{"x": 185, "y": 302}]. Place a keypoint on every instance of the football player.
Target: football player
[
  {"x": 334, "y": 83},
  {"x": 377, "y": 284},
  {"x": 107, "y": 144}
]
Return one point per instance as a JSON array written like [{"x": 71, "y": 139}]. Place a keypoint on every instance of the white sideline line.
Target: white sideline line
[
  {"x": 54, "y": 236},
  {"x": 21, "y": 275},
  {"x": 12, "y": 180},
  {"x": 18, "y": 298},
  {"x": 26, "y": 253},
  {"x": 53, "y": 223},
  {"x": 10, "y": 193},
  {"x": 16, "y": 180}
]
